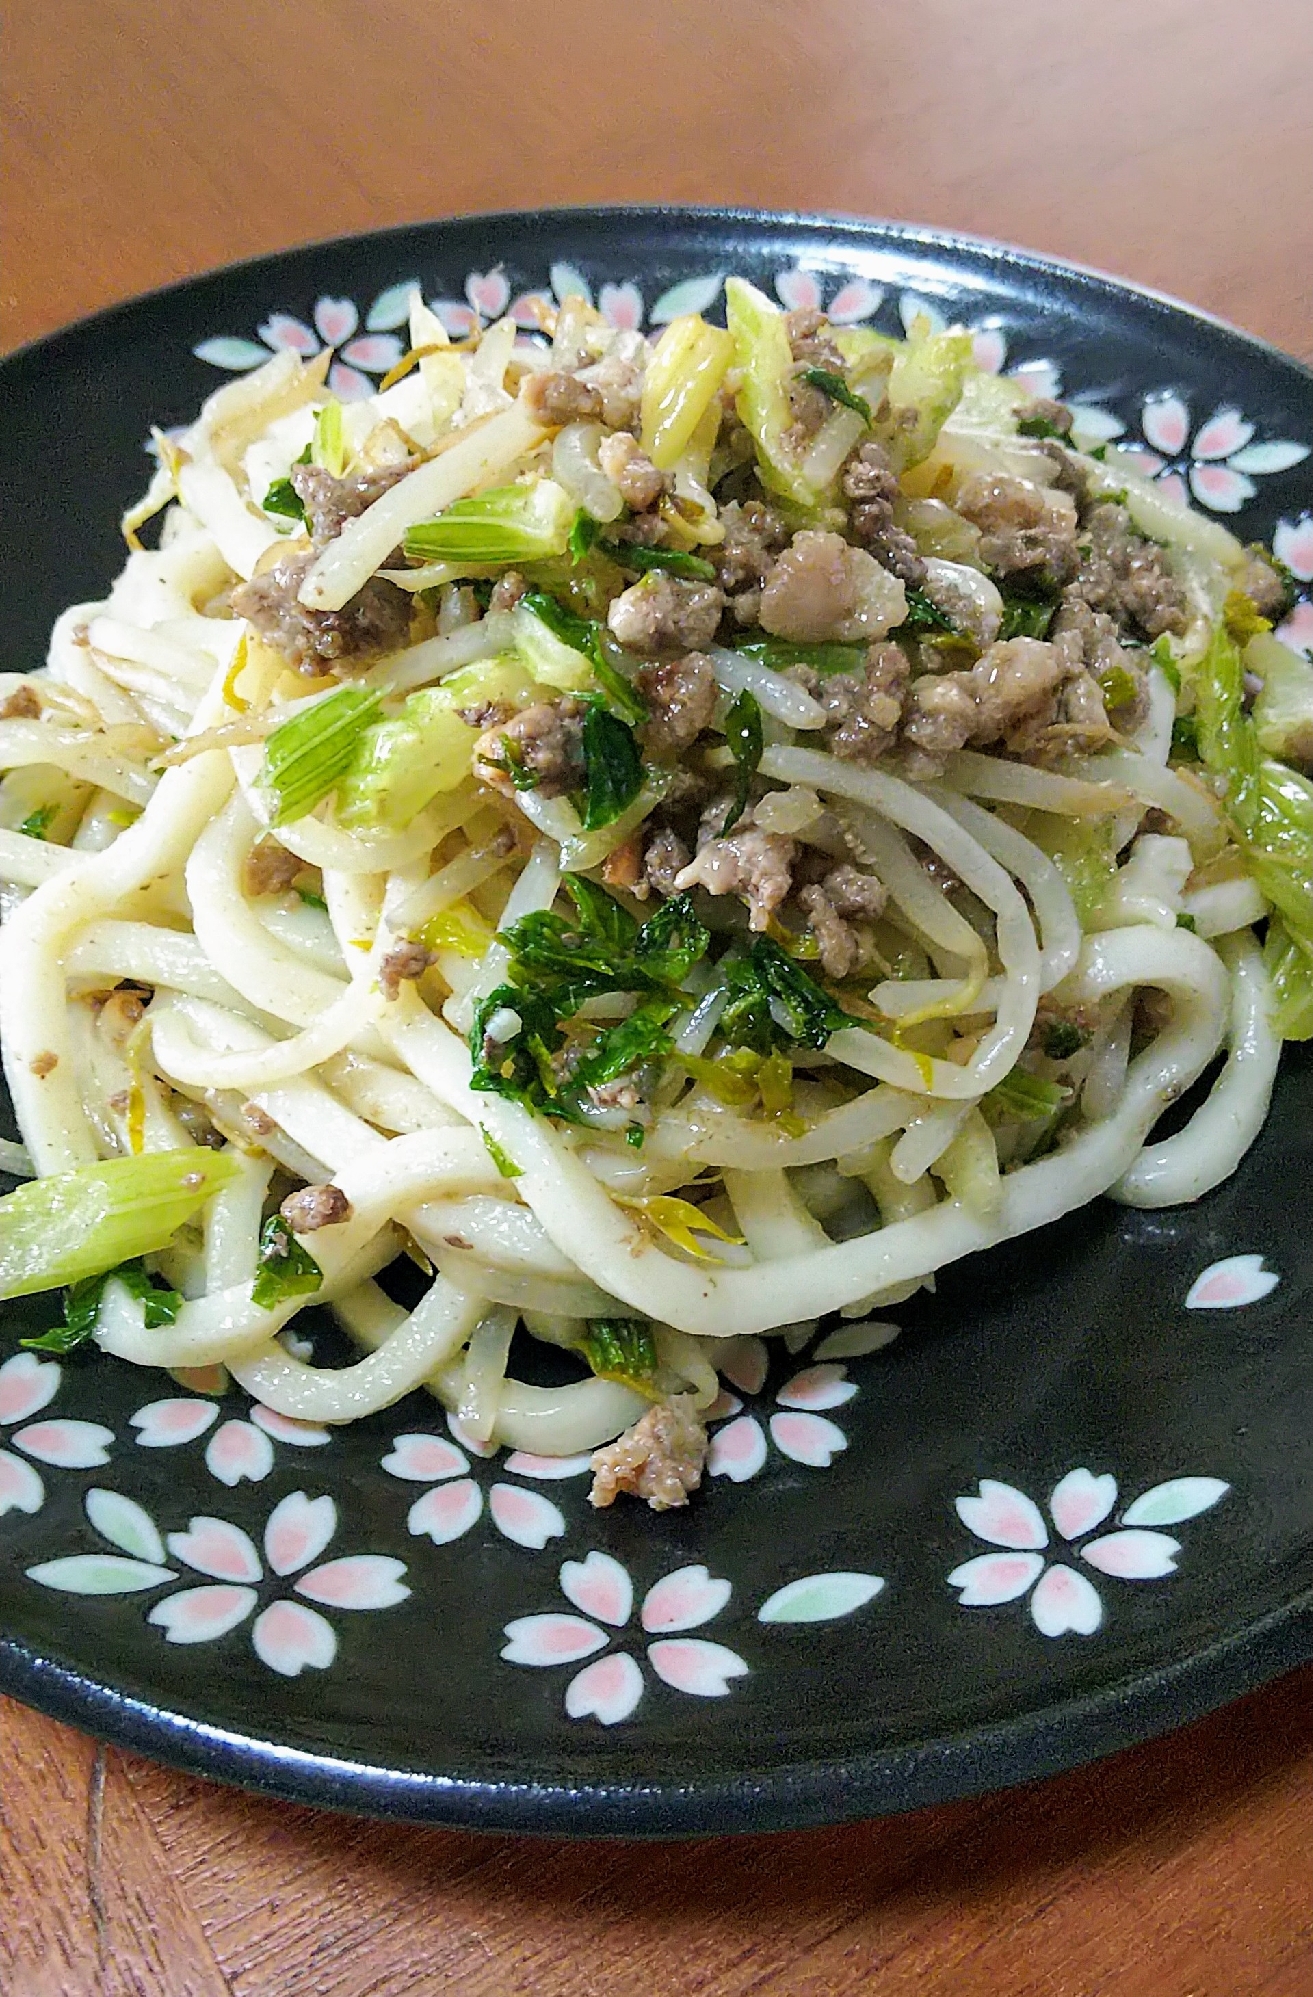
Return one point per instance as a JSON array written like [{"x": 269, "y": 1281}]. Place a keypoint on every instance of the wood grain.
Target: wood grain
[{"x": 1171, "y": 142}]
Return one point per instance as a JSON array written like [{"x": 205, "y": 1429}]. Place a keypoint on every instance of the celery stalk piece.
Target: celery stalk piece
[
  {"x": 306, "y": 757},
  {"x": 762, "y": 351},
  {"x": 684, "y": 373},
  {"x": 1283, "y": 709},
  {"x": 78, "y": 1224},
  {"x": 399, "y": 766},
  {"x": 925, "y": 387},
  {"x": 516, "y": 523}
]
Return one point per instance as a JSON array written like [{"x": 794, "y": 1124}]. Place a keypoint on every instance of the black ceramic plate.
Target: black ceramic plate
[{"x": 1069, "y": 1507}]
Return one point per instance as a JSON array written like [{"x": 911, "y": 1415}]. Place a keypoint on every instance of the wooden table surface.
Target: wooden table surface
[{"x": 1167, "y": 140}]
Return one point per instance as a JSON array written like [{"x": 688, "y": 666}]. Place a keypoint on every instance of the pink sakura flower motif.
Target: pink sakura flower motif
[
  {"x": 1226, "y": 1285},
  {"x": 27, "y": 1385},
  {"x": 798, "y": 1428},
  {"x": 1217, "y": 465},
  {"x": 286, "y": 1635},
  {"x": 800, "y": 290},
  {"x": 454, "y": 1504},
  {"x": 609, "y": 1689},
  {"x": 1063, "y": 1600},
  {"x": 238, "y": 1449}
]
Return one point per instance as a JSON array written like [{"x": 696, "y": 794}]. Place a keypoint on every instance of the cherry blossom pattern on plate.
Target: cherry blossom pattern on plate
[
  {"x": 454, "y": 1503},
  {"x": 1217, "y": 462},
  {"x": 287, "y": 1635},
  {"x": 798, "y": 1427},
  {"x": 27, "y": 1386},
  {"x": 238, "y": 1448},
  {"x": 1227, "y": 1285},
  {"x": 1062, "y": 1599},
  {"x": 1292, "y": 543},
  {"x": 360, "y": 350},
  {"x": 609, "y": 1689}
]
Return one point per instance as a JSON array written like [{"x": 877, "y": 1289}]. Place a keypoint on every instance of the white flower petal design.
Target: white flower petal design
[
  {"x": 1224, "y": 432},
  {"x": 238, "y": 1450},
  {"x": 607, "y": 1690},
  {"x": 523, "y": 1463},
  {"x": 67, "y": 1445},
  {"x": 214, "y": 1547},
  {"x": 1133, "y": 1555},
  {"x": 1165, "y": 420},
  {"x": 298, "y": 1531},
  {"x": 446, "y": 1512},
  {"x": 525, "y": 1517},
  {"x": 551, "y": 1639},
  {"x": 820, "y": 1598},
  {"x": 683, "y": 1600},
  {"x": 21, "y": 1490},
  {"x": 424, "y": 1459},
  {"x": 27, "y": 1384},
  {"x": 745, "y": 1362},
  {"x": 360, "y": 1581},
  {"x": 737, "y": 1451},
  {"x": 599, "y": 1586},
  {"x": 125, "y": 1524},
  {"x": 694, "y": 294},
  {"x": 690, "y": 1664},
  {"x": 1063, "y": 1602},
  {"x": 100, "y": 1574},
  {"x": 1080, "y": 1501},
  {"x": 1180, "y": 1498},
  {"x": 1226, "y": 1285},
  {"x": 992, "y": 1578},
  {"x": 817, "y": 1387},
  {"x": 199, "y": 1615},
  {"x": 167, "y": 1424},
  {"x": 290, "y": 1639},
  {"x": 807, "y": 1439},
  {"x": 284, "y": 1428},
  {"x": 1004, "y": 1516}
]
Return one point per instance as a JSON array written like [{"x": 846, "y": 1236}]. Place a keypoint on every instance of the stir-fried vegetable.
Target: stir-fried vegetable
[
  {"x": 78, "y": 1224},
  {"x": 306, "y": 757}
]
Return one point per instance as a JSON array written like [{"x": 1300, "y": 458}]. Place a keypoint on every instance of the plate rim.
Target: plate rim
[{"x": 1043, "y": 1741}]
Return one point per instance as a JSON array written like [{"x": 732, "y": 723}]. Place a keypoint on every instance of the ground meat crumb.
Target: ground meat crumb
[
  {"x": 1026, "y": 529},
  {"x": 659, "y": 1459},
  {"x": 870, "y": 484},
  {"x": 330, "y": 502},
  {"x": 43, "y": 1064},
  {"x": 544, "y": 743},
  {"x": 507, "y": 591},
  {"x": 631, "y": 471},
  {"x": 269, "y": 868},
  {"x": 23, "y": 704},
  {"x": 556, "y": 399},
  {"x": 681, "y": 698},
  {"x": 406, "y": 962},
  {"x": 756, "y": 866},
  {"x": 662, "y": 613},
  {"x": 376, "y": 619},
  {"x": 313, "y": 1207}
]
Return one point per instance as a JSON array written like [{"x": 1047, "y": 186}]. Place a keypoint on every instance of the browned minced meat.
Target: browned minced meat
[
  {"x": 810, "y": 342},
  {"x": 862, "y": 709},
  {"x": 376, "y": 619},
  {"x": 869, "y": 482},
  {"x": 558, "y": 399},
  {"x": 1026, "y": 529},
  {"x": 22, "y": 704},
  {"x": 665, "y": 859},
  {"x": 507, "y": 591},
  {"x": 1258, "y": 579},
  {"x": 330, "y": 502},
  {"x": 407, "y": 961},
  {"x": 546, "y": 741},
  {"x": 845, "y": 897},
  {"x": 681, "y": 698},
  {"x": 1088, "y": 639},
  {"x": 269, "y": 868},
  {"x": 314, "y": 1207},
  {"x": 756, "y": 866},
  {"x": 754, "y": 536},
  {"x": 1009, "y": 693},
  {"x": 660, "y": 1458},
  {"x": 662, "y": 613},
  {"x": 631, "y": 471},
  {"x": 1127, "y": 577}
]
